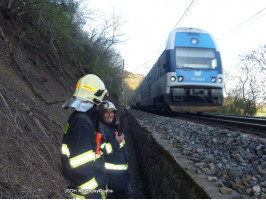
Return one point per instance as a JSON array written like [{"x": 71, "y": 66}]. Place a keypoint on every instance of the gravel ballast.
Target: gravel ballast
[{"x": 231, "y": 159}]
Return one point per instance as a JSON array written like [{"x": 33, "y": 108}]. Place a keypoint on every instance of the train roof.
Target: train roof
[
  {"x": 188, "y": 29},
  {"x": 171, "y": 37}
]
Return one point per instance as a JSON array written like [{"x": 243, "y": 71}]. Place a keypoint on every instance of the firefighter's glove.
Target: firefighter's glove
[{"x": 120, "y": 138}]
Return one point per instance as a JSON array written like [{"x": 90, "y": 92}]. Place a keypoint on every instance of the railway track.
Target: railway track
[{"x": 253, "y": 125}]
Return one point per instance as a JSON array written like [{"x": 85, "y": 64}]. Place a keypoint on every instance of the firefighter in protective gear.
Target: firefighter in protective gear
[
  {"x": 82, "y": 166},
  {"x": 116, "y": 162}
]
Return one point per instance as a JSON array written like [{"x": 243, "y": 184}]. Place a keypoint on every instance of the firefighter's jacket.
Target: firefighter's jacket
[
  {"x": 116, "y": 164},
  {"x": 82, "y": 167},
  {"x": 115, "y": 155}
]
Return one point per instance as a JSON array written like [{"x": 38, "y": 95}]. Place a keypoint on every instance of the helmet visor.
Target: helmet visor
[{"x": 99, "y": 93}]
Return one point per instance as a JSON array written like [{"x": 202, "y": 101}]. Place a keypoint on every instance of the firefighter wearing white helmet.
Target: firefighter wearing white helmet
[
  {"x": 83, "y": 165},
  {"x": 116, "y": 161},
  {"x": 107, "y": 106}
]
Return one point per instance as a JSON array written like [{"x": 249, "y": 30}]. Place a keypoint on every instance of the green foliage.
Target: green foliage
[
  {"x": 29, "y": 29},
  {"x": 44, "y": 64},
  {"x": 261, "y": 113},
  {"x": 59, "y": 24},
  {"x": 42, "y": 30},
  {"x": 238, "y": 106}
]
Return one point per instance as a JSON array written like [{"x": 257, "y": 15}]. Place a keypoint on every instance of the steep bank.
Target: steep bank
[
  {"x": 33, "y": 86},
  {"x": 43, "y": 53},
  {"x": 31, "y": 120},
  {"x": 30, "y": 136}
]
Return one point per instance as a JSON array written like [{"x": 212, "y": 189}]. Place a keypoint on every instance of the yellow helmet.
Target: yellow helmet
[{"x": 90, "y": 88}]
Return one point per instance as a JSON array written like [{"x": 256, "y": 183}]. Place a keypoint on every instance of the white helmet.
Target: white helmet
[{"x": 107, "y": 106}]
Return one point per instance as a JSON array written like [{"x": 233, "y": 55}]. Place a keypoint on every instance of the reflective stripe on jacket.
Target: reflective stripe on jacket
[
  {"x": 84, "y": 169},
  {"x": 116, "y": 157}
]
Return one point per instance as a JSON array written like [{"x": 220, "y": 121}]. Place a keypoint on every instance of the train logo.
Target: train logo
[{"x": 197, "y": 73}]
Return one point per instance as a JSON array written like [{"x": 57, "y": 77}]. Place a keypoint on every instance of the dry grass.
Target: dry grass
[
  {"x": 29, "y": 160},
  {"x": 132, "y": 81}
]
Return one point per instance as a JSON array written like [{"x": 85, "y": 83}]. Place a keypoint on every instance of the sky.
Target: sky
[{"x": 238, "y": 26}]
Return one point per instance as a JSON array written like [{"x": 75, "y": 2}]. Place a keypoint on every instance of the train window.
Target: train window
[
  {"x": 162, "y": 65},
  {"x": 214, "y": 63},
  {"x": 195, "y": 58}
]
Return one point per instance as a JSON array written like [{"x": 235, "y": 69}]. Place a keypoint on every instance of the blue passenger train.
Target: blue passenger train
[{"x": 187, "y": 77}]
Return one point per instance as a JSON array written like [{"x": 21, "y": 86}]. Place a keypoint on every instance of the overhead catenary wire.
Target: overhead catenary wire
[
  {"x": 140, "y": 66},
  {"x": 238, "y": 27},
  {"x": 185, "y": 13},
  {"x": 180, "y": 19}
]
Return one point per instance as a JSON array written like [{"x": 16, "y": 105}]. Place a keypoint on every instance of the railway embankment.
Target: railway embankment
[{"x": 182, "y": 159}]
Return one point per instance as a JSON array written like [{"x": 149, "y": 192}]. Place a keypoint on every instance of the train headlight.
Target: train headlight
[
  {"x": 220, "y": 80},
  {"x": 213, "y": 79},
  {"x": 173, "y": 78},
  {"x": 180, "y": 78},
  {"x": 194, "y": 41}
]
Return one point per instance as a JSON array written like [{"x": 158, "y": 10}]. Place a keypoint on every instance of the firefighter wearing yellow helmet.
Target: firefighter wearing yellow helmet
[
  {"x": 90, "y": 90},
  {"x": 83, "y": 165}
]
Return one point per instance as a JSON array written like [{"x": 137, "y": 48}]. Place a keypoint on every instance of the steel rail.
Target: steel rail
[
  {"x": 256, "y": 126},
  {"x": 256, "y": 120}
]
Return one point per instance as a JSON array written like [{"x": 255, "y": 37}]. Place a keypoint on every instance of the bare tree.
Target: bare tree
[
  {"x": 249, "y": 93},
  {"x": 106, "y": 35},
  {"x": 254, "y": 66}
]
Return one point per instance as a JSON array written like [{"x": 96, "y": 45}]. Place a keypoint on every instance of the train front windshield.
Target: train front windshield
[{"x": 195, "y": 58}]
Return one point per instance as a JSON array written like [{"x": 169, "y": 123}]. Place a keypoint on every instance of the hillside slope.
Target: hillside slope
[
  {"x": 132, "y": 81},
  {"x": 29, "y": 141},
  {"x": 32, "y": 90},
  {"x": 36, "y": 77}
]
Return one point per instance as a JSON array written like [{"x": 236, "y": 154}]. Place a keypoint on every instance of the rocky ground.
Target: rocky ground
[{"x": 231, "y": 159}]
